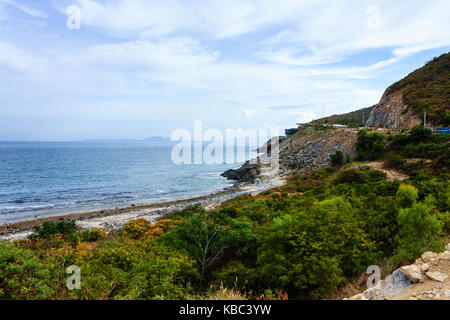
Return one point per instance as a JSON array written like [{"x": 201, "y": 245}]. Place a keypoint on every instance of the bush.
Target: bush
[
  {"x": 370, "y": 146},
  {"x": 363, "y": 176},
  {"x": 337, "y": 158},
  {"x": 142, "y": 270},
  {"x": 49, "y": 228},
  {"x": 206, "y": 240},
  {"x": 419, "y": 231},
  {"x": 299, "y": 249},
  {"x": 136, "y": 229},
  {"x": 92, "y": 235},
  {"x": 22, "y": 275},
  {"x": 406, "y": 195},
  {"x": 394, "y": 161}
]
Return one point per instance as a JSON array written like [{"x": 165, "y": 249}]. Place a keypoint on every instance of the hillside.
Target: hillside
[
  {"x": 352, "y": 119},
  {"x": 404, "y": 102}
]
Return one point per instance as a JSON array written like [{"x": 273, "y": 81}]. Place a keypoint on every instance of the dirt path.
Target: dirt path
[{"x": 379, "y": 165}]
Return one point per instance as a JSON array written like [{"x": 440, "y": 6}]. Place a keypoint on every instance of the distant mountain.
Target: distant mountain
[
  {"x": 151, "y": 139},
  {"x": 157, "y": 139}
]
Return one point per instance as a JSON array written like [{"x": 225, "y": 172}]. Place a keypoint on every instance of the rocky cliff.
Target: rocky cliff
[
  {"x": 404, "y": 103},
  {"x": 392, "y": 113}
]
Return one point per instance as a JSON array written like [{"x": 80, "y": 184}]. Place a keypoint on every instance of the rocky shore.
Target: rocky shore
[{"x": 112, "y": 220}]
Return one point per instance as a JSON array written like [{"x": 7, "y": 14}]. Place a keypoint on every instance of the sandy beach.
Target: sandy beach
[{"x": 114, "y": 219}]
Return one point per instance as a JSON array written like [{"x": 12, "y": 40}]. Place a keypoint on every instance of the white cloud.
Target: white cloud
[
  {"x": 174, "y": 53},
  {"x": 28, "y": 10},
  {"x": 303, "y": 116},
  {"x": 16, "y": 58}
]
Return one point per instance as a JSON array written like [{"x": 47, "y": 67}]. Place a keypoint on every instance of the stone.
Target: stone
[
  {"x": 428, "y": 256},
  {"x": 436, "y": 276},
  {"x": 358, "y": 297},
  {"x": 448, "y": 246},
  {"x": 424, "y": 267},
  {"x": 413, "y": 272},
  {"x": 419, "y": 261},
  {"x": 444, "y": 255},
  {"x": 447, "y": 293}
]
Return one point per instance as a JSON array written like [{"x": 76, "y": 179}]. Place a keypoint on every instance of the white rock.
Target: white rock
[
  {"x": 419, "y": 261},
  {"x": 358, "y": 297},
  {"x": 413, "y": 272},
  {"x": 448, "y": 246},
  {"x": 447, "y": 293},
  {"x": 436, "y": 276},
  {"x": 428, "y": 256},
  {"x": 424, "y": 267},
  {"x": 444, "y": 255}
]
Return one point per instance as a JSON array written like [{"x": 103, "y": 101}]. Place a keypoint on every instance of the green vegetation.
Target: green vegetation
[
  {"x": 370, "y": 146},
  {"x": 307, "y": 239},
  {"x": 339, "y": 159},
  {"x": 428, "y": 89}
]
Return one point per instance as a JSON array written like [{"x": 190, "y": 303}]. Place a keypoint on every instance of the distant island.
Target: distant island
[{"x": 151, "y": 139}]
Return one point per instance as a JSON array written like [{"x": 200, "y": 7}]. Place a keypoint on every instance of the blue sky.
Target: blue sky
[{"x": 140, "y": 68}]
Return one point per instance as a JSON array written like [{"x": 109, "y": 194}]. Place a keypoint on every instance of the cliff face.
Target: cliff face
[
  {"x": 425, "y": 89},
  {"x": 392, "y": 112}
]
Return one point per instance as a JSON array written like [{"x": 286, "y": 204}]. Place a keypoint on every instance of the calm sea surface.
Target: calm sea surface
[{"x": 44, "y": 179}]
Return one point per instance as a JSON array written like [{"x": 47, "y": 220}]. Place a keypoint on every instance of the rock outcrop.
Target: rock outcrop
[
  {"x": 426, "y": 279},
  {"x": 392, "y": 113},
  {"x": 305, "y": 150}
]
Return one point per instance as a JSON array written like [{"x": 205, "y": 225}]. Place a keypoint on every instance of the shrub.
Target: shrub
[
  {"x": 49, "y": 228},
  {"x": 22, "y": 276},
  {"x": 419, "y": 231},
  {"x": 141, "y": 270},
  {"x": 406, "y": 195},
  {"x": 362, "y": 175},
  {"x": 92, "y": 235},
  {"x": 206, "y": 240},
  {"x": 337, "y": 158},
  {"x": 299, "y": 249},
  {"x": 394, "y": 161},
  {"x": 370, "y": 146},
  {"x": 136, "y": 229}
]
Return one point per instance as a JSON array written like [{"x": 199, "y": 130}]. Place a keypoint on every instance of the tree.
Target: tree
[
  {"x": 337, "y": 158},
  {"x": 205, "y": 240},
  {"x": 406, "y": 195},
  {"x": 370, "y": 146},
  {"x": 310, "y": 253},
  {"x": 419, "y": 231}
]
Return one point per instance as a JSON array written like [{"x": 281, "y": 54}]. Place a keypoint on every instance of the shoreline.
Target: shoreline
[{"x": 114, "y": 219}]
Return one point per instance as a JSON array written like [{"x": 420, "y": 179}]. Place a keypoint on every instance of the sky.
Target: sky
[{"x": 131, "y": 69}]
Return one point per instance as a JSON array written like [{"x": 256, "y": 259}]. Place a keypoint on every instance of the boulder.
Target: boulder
[
  {"x": 444, "y": 255},
  {"x": 448, "y": 246},
  {"x": 424, "y": 267},
  {"x": 413, "y": 272},
  {"x": 436, "y": 276},
  {"x": 428, "y": 256}
]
